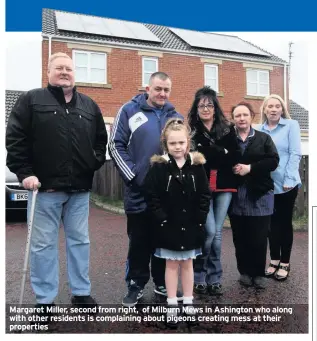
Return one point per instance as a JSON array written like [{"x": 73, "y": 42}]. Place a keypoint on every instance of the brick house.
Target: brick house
[{"x": 113, "y": 67}]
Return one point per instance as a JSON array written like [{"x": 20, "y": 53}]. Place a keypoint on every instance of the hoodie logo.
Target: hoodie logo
[{"x": 136, "y": 121}]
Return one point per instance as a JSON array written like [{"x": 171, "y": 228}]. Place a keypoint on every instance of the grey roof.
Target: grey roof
[
  {"x": 11, "y": 97},
  {"x": 170, "y": 41},
  {"x": 299, "y": 114}
]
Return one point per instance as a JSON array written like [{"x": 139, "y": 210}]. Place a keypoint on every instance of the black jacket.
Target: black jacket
[
  {"x": 62, "y": 144},
  {"x": 214, "y": 149},
  {"x": 181, "y": 197},
  {"x": 262, "y": 155}
]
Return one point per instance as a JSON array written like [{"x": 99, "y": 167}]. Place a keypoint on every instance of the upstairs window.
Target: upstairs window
[
  {"x": 258, "y": 82},
  {"x": 90, "y": 67}
]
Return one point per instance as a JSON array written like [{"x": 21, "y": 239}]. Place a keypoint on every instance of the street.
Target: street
[{"x": 109, "y": 245}]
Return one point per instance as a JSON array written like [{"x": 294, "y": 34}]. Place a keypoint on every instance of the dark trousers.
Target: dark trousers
[
  {"x": 281, "y": 231},
  {"x": 250, "y": 240},
  {"x": 141, "y": 252}
]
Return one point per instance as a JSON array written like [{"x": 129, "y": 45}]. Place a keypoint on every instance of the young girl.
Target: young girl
[{"x": 178, "y": 196}]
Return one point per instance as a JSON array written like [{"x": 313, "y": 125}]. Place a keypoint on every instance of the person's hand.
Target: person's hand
[
  {"x": 31, "y": 183},
  {"x": 241, "y": 169},
  {"x": 237, "y": 168},
  {"x": 286, "y": 188}
]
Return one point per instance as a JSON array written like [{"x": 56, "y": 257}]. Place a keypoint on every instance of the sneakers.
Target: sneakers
[
  {"x": 259, "y": 282},
  {"x": 84, "y": 301},
  {"x": 132, "y": 296},
  {"x": 200, "y": 289},
  {"x": 246, "y": 280},
  {"x": 211, "y": 289},
  {"x": 215, "y": 289},
  {"x": 161, "y": 290}
]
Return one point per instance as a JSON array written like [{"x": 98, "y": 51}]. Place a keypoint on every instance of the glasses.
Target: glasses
[{"x": 202, "y": 107}]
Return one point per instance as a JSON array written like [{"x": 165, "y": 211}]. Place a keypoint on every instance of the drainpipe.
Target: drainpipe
[
  {"x": 49, "y": 45},
  {"x": 285, "y": 85}
]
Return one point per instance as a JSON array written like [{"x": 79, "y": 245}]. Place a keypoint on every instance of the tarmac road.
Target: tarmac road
[{"x": 109, "y": 244}]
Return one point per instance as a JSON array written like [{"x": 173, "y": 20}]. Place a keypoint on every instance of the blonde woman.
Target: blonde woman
[{"x": 285, "y": 133}]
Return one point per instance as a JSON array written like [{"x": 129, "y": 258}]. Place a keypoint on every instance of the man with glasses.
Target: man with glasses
[{"x": 134, "y": 139}]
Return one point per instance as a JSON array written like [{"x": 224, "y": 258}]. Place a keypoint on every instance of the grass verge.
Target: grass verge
[{"x": 299, "y": 223}]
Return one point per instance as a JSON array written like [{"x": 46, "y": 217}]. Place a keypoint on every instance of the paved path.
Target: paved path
[{"x": 108, "y": 253}]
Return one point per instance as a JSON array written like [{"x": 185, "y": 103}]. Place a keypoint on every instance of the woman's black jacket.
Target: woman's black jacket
[
  {"x": 262, "y": 155},
  {"x": 221, "y": 154}
]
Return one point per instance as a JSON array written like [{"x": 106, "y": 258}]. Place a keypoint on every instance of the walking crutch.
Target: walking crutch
[{"x": 28, "y": 243}]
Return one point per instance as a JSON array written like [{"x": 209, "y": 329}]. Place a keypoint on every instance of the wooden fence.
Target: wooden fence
[
  {"x": 108, "y": 183},
  {"x": 301, "y": 204}
]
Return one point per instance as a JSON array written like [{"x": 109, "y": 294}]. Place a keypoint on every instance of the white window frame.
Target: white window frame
[
  {"x": 89, "y": 53},
  {"x": 143, "y": 71},
  {"x": 258, "y": 83},
  {"x": 212, "y": 66}
]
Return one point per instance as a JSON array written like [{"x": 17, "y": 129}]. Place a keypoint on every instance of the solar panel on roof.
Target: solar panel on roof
[
  {"x": 104, "y": 26},
  {"x": 93, "y": 25},
  {"x": 217, "y": 42},
  {"x": 70, "y": 21}
]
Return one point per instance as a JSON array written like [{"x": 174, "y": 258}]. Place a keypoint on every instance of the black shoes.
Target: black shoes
[
  {"x": 215, "y": 289},
  {"x": 172, "y": 316},
  {"x": 246, "y": 280},
  {"x": 84, "y": 302},
  {"x": 211, "y": 289},
  {"x": 132, "y": 296},
  {"x": 259, "y": 282},
  {"x": 200, "y": 289}
]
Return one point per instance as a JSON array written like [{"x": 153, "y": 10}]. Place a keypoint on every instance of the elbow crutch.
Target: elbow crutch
[{"x": 28, "y": 244}]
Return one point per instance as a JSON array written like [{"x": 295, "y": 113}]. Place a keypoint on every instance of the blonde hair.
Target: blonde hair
[
  {"x": 175, "y": 124},
  {"x": 55, "y": 56},
  {"x": 285, "y": 113}
]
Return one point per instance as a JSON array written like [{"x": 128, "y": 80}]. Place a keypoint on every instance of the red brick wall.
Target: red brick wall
[{"x": 124, "y": 73}]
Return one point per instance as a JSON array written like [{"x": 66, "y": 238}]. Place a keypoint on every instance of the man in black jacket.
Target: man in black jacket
[{"x": 57, "y": 137}]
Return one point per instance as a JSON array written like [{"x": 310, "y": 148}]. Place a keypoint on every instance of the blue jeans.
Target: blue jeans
[
  {"x": 52, "y": 208},
  {"x": 207, "y": 268}
]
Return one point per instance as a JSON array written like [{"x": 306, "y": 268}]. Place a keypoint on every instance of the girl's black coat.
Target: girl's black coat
[
  {"x": 213, "y": 150},
  {"x": 179, "y": 201}
]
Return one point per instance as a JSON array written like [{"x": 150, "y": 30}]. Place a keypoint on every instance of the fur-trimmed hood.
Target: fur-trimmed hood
[{"x": 195, "y": 157}]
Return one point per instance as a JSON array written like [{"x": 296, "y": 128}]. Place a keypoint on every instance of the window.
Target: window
[
  {"x": 211, "y": 76},
  {"x": 149, "y": 66},
  {"x": 90, "y": 67},
  {"x": 258, "y": 82}
]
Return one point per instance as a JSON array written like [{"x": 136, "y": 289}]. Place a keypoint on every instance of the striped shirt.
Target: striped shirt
[{"x": 242, "y": 203}]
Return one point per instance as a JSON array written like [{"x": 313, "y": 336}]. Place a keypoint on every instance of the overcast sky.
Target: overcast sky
[{"x": 24, "y": 59}]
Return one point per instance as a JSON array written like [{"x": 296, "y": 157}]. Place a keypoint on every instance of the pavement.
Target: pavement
[{"x": 109, "y": 245}]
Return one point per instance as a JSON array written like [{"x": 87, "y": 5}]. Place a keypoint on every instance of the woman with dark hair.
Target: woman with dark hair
[
  {"x": 252, "y": 206},
  {"x": 215, "y": 138}
]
